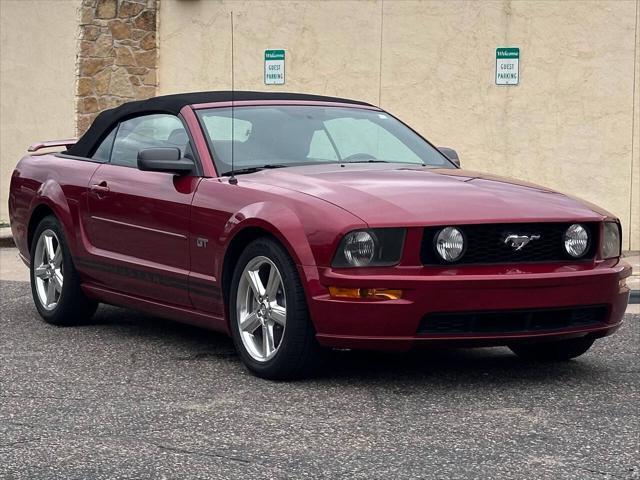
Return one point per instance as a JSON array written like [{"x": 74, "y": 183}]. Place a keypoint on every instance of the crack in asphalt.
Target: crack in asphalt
[
  {"x": 43, "y": 397},
  {"x": 19, "y": 442},
  {"x": 193, "y": 452},
  {"x": 204, "y": 355},
  {"x": 13, "y": 300},
  {"x": 599, "y": 472}
]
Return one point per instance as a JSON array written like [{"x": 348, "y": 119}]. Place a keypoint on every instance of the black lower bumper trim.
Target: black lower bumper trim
[{"x": 513, "y": 321}]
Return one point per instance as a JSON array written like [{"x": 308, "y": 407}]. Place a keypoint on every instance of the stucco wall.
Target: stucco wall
[
  {"x": 635, "y": 167},
  {"x": 331, "y": 47},
  {"x": 37, "y": 78},
  {"x": 568, "y": 125}
]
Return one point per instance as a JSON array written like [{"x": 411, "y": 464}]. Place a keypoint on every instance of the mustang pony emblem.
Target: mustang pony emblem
[{"x": 517, "y": 242}]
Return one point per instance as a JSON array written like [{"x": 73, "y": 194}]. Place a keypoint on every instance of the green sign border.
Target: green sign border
[{"x": 512, "y": 53}]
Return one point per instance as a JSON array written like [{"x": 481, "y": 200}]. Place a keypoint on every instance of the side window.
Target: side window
[
  {"x": 103, "y": 153},
  {"x": 148, "y": 131}
]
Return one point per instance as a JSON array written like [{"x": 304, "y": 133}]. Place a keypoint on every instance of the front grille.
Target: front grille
[
  {"x": 485, "y": 244},
  {"x": 512, "y": 321}
]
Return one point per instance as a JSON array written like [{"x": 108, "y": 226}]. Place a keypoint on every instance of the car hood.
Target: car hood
[{"x": 397, "y": 194}]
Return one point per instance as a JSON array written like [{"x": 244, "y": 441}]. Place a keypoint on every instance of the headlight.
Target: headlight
[
  {"x": 370, "y": 248},
  {"x": 450, "y": 244},
  {"x": 611, "y": 243},
  {"x": 576, "y": 240},
  {"x": 359, "y": 248}
]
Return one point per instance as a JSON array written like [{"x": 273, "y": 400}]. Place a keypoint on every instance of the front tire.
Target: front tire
[
  {"x": 557, "y": 351},
  {"x": 270, "y": 322},
  {"x": 55, "y": 284}
]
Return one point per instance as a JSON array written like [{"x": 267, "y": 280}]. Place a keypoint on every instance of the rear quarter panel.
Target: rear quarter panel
[{"x": 60, "y": 183}]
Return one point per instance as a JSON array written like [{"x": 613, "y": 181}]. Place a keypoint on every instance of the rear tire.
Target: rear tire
[
  {"x": 55, "y": 284},
  {"x": 557, "y": 351},
  {"x": 267, "y": 301}
]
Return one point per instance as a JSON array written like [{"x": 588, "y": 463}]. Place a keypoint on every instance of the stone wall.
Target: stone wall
[{"x": 117, "y": 55}]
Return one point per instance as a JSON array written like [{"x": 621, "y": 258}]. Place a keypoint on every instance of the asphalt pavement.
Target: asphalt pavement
[{"x": 133, "y": 396}]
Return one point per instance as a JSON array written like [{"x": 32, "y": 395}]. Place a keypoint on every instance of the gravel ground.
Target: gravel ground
[{"x": 132, "y": 396}]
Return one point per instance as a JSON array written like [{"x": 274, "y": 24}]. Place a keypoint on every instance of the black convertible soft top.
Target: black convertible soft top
[{"x": 172, "y": 104}]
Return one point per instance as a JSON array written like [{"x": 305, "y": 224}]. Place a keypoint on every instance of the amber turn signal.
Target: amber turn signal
[{"x": 365, "y": 293}]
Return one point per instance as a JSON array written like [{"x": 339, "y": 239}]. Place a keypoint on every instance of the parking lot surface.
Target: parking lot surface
[{"x": 133, "y": 396}]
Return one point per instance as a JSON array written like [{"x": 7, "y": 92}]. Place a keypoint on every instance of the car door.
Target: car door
[{"x": 137, "y": 223}]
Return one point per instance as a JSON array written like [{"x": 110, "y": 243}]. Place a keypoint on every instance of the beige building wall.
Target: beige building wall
[
  {"x": 568, "y": 125},
  {"x": 37, "y": 78},
  {"x": 635, "y": 166}
]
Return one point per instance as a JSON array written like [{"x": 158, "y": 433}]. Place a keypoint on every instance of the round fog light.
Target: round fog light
[
  {"x": 450, "y": 244},
  {"x": 576, "y": 240}
]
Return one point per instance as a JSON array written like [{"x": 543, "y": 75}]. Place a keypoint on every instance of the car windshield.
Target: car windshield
[{"x": 282, "y": 136}]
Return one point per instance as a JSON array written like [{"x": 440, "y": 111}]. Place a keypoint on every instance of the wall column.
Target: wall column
[{"x": 117, "y": 56}]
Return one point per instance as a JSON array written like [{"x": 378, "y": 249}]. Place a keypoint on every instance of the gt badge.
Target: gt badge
[{"x": 202, "y": 242}]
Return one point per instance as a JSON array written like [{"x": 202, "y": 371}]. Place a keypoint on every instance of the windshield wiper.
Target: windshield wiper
[
  {"x": 239, "y": 171},
  {"x": 382, "y": 161},
  {"x": 369, "y": 160}
]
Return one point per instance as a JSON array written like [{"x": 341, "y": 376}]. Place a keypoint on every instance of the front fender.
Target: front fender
[
  {"x": 280, "y": 221},
  {"x": 285, "y": 225}
]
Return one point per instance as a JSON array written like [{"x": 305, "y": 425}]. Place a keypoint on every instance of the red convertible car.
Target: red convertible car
[{"x": 297, "y": 222}]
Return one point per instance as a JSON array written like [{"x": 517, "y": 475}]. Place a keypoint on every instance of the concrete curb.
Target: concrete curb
[
  {"x": 633, "y": 258},
  {"x": 6, "y": 239}
]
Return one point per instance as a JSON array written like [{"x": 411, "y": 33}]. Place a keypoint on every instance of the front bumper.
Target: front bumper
[{"x": 396, "y": 324}]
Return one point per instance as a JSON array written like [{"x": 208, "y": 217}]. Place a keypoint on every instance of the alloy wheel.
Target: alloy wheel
[
  {"x": 261, "y": 308},
  {"x": 48, "y": 269}
]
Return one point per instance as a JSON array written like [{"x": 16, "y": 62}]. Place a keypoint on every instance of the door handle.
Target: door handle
[{"x": 99, "y": 188}]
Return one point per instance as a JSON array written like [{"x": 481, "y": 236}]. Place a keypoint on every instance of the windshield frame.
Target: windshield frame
[{"x": 266, "y": 103}]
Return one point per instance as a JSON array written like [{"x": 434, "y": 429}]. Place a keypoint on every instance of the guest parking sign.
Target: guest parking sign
[
  {"x": 274, "y": 67},
  {"x": 507, "y": 66}
]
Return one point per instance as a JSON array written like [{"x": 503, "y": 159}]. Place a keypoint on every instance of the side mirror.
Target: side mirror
[
  {"x": 451, "y": 154},
  {"x": 165, "y": 159}
]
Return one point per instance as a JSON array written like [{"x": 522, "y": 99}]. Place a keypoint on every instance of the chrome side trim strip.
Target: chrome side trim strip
[{"x": 139, "y": 227}]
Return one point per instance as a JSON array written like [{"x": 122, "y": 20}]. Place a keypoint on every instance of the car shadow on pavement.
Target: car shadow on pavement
[
  {"x": 440, "y": 364},
  {"x": 125, "y": 328},
  {"x": 453, "y": 366}
]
